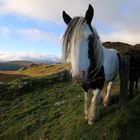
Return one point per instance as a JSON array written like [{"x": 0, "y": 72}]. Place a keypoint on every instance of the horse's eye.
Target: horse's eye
[{"x": 91, "y": 37}]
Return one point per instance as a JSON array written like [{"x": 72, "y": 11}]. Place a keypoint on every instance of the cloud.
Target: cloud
[
  {"x": 36, "y": 34},
  {"x": 44, "y": 10},
  {"x": 120, "y": 16},
  {"x": 5, "y": 31},
  {"x": 50, "y": 11},
  {"x": 121, "y": 36},
  {"x": 26, "y": 56},
  {"x": 29, "y": 33}
]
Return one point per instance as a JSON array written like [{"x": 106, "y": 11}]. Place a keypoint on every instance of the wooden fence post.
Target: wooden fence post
[{"x": 124, "y": 78}]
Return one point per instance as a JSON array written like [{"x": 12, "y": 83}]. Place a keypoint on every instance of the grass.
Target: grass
[
  {"x": 32, "y": 71},
  {"x": 9, "y": 76},
  {"x": 42, "y": 70},
  {"x": 53, "y": 110}
]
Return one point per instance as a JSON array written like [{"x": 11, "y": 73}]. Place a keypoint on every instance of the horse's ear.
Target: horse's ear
[
  {"x": 89, "y": 14},
  {"x": 66, "y": 17}
]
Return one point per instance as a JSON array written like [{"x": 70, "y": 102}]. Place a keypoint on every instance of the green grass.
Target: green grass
[{"x": 35, "y": 115}]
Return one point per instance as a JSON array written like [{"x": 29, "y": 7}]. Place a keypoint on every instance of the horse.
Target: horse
[
  {"x": 92, "y": 65},
  {"x": 134, "y": 71}
]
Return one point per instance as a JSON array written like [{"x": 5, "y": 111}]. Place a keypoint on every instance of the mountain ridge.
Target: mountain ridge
[{"x": 18, "y": 64}]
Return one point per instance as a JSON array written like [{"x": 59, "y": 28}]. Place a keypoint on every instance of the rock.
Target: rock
[
  {"x": 23, "y": 68},
  {"x": 59, "y": 103},
  {"x": 2, "y": 86},
  {"x": 24, "y": 86},
  {"x": 63, "y": 73}
]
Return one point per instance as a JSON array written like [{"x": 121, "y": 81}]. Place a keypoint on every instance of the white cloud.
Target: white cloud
[
  {"x": 36, "y": 34},
  {"x": 5, "y": 31},
  {"x": 26, "y": 56},
  {"x": 118, "y": 15},
  {"x": 121, "y": 36},
  {"x": 47, "y": 10},
  {"x": 29, "y": 33},
  {"x": 50, "y": 10}
]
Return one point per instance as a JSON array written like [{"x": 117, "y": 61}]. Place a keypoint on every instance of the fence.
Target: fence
[{"x": 124, "y": 78}]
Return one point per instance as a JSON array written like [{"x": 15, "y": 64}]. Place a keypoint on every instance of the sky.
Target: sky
[{"x": 32, "y": 29}]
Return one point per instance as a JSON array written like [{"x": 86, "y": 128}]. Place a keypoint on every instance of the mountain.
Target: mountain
[
  {"x": 23, "y": 63},
  {"x": 137, "y": 46},
  {"x": 14, "y": 65},
  {"x": 121, "y": 47}
]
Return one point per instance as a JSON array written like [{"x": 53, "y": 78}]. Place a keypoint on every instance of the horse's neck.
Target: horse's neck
[
  {"x": 99, "y": 52},
  {"x": 99, "y": 58},
  {"x": 108, "y": 52},
  {"x": 110, "y": 63}
]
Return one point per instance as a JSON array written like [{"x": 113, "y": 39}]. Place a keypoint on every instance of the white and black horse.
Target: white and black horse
[{"x": 94, "y": 66}]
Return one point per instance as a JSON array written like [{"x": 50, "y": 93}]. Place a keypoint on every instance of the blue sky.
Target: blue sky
[
  {"x": 29, "y": 35},
  {"x": 33, "y": 29}
]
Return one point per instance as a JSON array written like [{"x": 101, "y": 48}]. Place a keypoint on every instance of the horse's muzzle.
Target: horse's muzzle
[{"x": 78, "y": 77}]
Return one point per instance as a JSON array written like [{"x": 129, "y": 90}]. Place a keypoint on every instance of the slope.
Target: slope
[{"x": 51, "y": 108}]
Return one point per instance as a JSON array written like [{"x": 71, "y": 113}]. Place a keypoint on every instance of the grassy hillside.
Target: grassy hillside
[
  {"x": 37, "y": 104},
  {"x": 51, "y": 108},
  {"x": 120, "y": 46},
  {"x": 34, "y": 70},
  {"x": 42, "y": 70},
  {"x": 9, "y": 76}
]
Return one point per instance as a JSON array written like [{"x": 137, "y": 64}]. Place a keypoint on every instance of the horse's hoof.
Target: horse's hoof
[
  {"x": 91, "y": 122},
  {"x": 86, "y": 117},
  {"x": 105, "y": 104}
]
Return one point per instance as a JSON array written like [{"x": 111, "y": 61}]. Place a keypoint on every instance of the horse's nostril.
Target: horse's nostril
[
  {"x": 78, "y": 76},
  {"x": 83, "y": 72}
]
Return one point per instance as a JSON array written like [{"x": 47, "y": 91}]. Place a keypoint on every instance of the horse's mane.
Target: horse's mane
[{"x": 75, "y": 30}]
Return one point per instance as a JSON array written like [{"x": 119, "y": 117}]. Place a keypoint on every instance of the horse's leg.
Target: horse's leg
[
  {"x": 88, "y": 97},
  {"x": 94, "y": 109},
  {"x": 104, "y": 91},
  {"x": 131, "y": 87},
  {"x": 136, "y": 85},
  {"x": 108, "y": 92}
]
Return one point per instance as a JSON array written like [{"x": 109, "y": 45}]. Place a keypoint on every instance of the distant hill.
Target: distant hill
[
  {"x": 14, "y": 65},
  {"x": 23, "y": 63},
  {"x": 137, "y": 46},
  {"x": 34, "y": 70},
  {"x": 120, "y": 46}
]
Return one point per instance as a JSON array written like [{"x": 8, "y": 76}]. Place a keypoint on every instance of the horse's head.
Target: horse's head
[{"x": 76, "y": 43}]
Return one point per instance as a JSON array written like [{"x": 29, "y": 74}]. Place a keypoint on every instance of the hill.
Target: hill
[
  {"x": 121, "y": 47},
  {"x": 16, "y": 65},
  {"x": 22, "y": 63},
  {"x": 51, "y": 108},
  {"x": 10, "y": 76},
  {"x": 13, "y": 65},
  {"x": 34, "y": 70}
]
